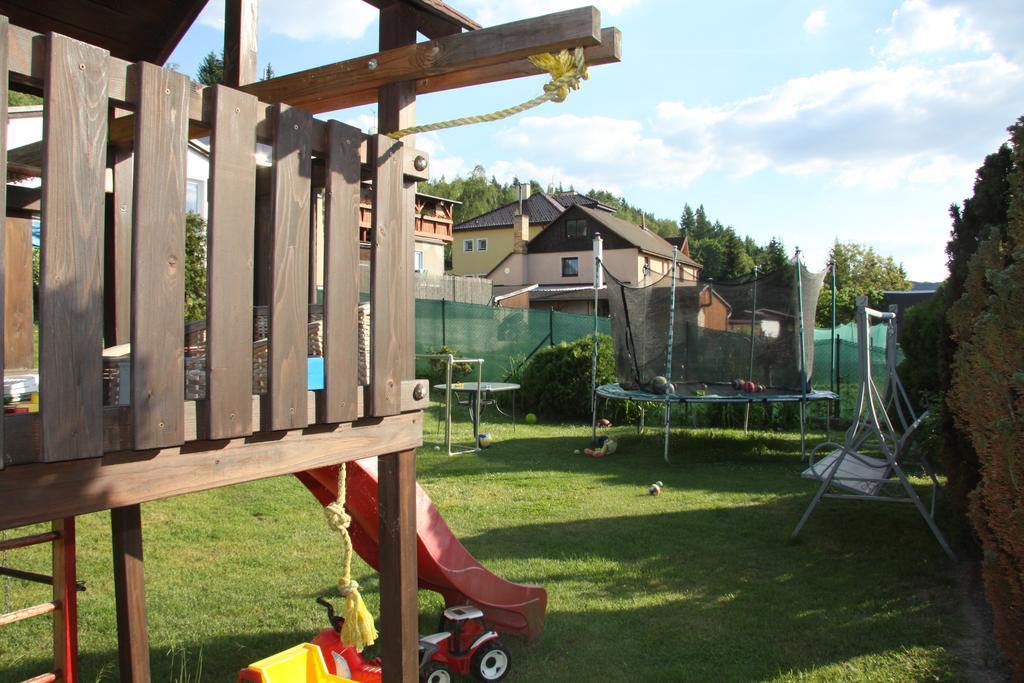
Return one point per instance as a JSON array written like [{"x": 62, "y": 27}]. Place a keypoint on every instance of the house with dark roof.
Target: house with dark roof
[
  {"x": 558, "y": 260},
  {"x": 481, "y": 242}
]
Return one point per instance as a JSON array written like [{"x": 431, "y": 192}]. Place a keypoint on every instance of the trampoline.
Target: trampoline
[{"x": 705, "y": 336}]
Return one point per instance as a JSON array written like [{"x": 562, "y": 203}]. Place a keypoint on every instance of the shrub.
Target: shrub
[
  {"x": 986, "y": 399},
  {"x": 195, "y": 267},
  {"x": 556, "y": 381},
  {"x": 437, "y": 372}
]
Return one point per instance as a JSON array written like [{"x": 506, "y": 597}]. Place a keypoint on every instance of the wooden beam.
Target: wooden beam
[
  {"x": 241, "y": 31},
  {"x": 130, "y": 477},
  {"x": 316, "y": 90},
  {"x": 399, "y": 608},
  {"x": 65, "y": 593},
  {"x": 130, "y": 594},
  {"x": 18, "y": 328},
  {"x": 4, "y": 43}
]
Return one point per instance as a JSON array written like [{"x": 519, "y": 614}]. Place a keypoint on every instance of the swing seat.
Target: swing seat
[
  {"x": 300, "y": 664},
  {"x": 858, "y": 473}
]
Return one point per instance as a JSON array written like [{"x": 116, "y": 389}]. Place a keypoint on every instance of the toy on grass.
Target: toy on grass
[
  {"x": 484, "y": 440},
  {"x": 604, "y": 422},
  {"x": 530, "y": 419},
  {"x": 655, "y": 488},
  {"x": 464, "y": 646},
  {"x": 606, "y": 445}
]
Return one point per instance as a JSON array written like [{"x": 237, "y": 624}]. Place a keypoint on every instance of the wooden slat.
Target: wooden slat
[
  {"x": 399, "y": 612},
  {"x": 71, "y": 282},
  {"x": 391, "y": 278},
  {"x": 18, "y": 327},
  {"x": 23, "y": 429},
  {"x": 316, "y": 90},
  {"x": 289, "y": 304},
  {"x": 4, "y": 42},
  {"x": 130, "y": 594},
  {"x": 118, "y": 291},
  {"x": 129, "y": 477},
  {"x": 338, "y": 400},
  {"x": 241, "y": 28},
  {"x": 65, "y": 594},
  {"x": 158, "y": 258},
  {"x": 25, "y": 541},
  {"x": 43, "y": 678},
  {"x": 230, "y": 258}
]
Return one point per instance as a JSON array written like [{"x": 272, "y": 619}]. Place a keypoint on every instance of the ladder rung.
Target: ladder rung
[
  {"x": 28, "y": 613},
  {"x": 43, "y": 678},
  {"x": 22, "y": 541},
  {"x": 38, "y": 578}
]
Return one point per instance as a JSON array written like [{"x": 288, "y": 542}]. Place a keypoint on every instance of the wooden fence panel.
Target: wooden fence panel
[
  {"x": 289, "y": 302},
  {"x": 71, "y": 279},
  {"x": 230, "y": 257},
  {"x": 158, "y": 258},
  {"x": 337, "y": 402},
  {"x": 391, "y": 295}
]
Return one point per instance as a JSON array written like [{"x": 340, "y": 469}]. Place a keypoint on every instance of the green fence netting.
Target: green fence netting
[{"x": 504, "y": 337}]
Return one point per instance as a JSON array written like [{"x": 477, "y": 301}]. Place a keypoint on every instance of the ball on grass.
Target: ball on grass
[
  {"x": 604, "y": 422},
  {"x": 654, "y": 488},
  {"x": 484, "y": 440},
  {"x": 576, "y": 452},
  {"x": 530, "y": 419}
]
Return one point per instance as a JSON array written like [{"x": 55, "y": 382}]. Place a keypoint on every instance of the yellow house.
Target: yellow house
[{"x": 481, "y": 243}]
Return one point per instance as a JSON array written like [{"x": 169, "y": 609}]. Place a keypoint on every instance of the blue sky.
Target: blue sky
[{"x": 811, "y": 121}]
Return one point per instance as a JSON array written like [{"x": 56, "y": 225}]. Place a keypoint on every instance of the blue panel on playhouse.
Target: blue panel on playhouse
[{"x": 315, "y": 373}]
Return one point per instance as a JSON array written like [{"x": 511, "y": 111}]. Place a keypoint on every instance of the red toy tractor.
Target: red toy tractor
[{"x": 465, "y": 646}]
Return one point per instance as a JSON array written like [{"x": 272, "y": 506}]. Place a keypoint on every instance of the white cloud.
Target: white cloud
[
  {"x": 918, "y": 27},
  {"x": 815, "y": 21},
  {"x": 492, "y": 12},
  {"x": 304, "y": 19},
  {"x": 442, "y": 164},
  {"x": 875, "y": 128}
]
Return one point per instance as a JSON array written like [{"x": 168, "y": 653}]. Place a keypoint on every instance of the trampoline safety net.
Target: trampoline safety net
[{"x": 746, "y": 329}]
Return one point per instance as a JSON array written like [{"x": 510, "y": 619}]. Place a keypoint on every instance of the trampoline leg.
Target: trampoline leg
[
  {"x": 803, "y": 431},
  {"x": 640, "y": 425},
  {"x": 746, "y": 419},
  {"x": 668, "y": 427}
]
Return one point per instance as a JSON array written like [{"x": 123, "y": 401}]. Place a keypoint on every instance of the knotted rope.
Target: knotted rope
[
  {"x": 566, "y": 69},
  {"x": 358, "y": 630}
]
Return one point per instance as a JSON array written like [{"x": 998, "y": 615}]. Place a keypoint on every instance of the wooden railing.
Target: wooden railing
[{"x": 122, "y": 279}]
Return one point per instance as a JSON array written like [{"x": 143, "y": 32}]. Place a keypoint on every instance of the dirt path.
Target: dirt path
[{"x": 976, "y": 649}]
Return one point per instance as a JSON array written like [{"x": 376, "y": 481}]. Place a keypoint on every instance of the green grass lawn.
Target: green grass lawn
[{"x": 699, "y": 583}]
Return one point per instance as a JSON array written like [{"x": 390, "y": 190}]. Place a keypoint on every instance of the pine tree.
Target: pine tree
[
  {"x": 687, "y": 221},
  {"x": 211, "y": 69},
  {"x": 268, "y": 72}
]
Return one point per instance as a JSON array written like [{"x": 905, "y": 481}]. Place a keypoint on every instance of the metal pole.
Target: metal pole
[
  {"x": 750, "y": 370},
  {"x": 668, "y": 357},
  {"x": 598, "y": 280},
  {"x": 444, "y": 331},
  {"x": 833, "y": 376},
  {"x": 803, "y": 367},
  {"x": 448, "y": 403}
]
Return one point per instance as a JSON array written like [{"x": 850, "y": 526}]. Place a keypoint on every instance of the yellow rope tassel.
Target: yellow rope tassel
[
  {"x": 359, "y": 631},
  {"x": 566, "y": 69}
]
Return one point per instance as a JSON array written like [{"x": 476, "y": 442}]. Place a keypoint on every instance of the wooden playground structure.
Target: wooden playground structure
[{"x": 112, "y": 209}]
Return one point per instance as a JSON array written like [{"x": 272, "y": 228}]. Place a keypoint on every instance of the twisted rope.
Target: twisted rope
[
  {"x": 566, "y": 69},
  {"x": 358, "y": 630}
]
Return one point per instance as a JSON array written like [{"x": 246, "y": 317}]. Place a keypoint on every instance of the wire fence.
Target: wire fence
[{"x": 508, "y": 337}]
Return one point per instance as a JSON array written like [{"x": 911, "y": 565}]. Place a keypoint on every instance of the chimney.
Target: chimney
[{"x": 521, "y": 221}]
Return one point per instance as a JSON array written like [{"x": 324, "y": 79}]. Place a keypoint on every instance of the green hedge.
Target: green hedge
[{"x": 556, "y": 380}]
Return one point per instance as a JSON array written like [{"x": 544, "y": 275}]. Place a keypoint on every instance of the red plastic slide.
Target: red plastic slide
[{"x": 445, "y": 566}]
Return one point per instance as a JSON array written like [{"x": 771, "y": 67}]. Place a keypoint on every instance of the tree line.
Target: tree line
[{"x": 724, "y": 253}]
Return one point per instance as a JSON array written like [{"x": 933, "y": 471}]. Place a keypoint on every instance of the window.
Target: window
[
  {"x": 570, "y": 266},
  {"x": 576, "y": 228},
  {"x": 419, "y": 261},
  {"x": 194, "y": 197},
  {"x": 467, "y": 245},
  {"x": 481, "y": 244}
]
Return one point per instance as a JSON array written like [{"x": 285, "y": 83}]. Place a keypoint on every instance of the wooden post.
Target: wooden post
[
  {"x": 65, "y": 593},
  {"x": 241, "y": 32},
  {"x": 130, "y": 594},
  {"x": 399, "y": 608},
  {"x": 393, "y": 230},
  {"x": 3, "y": 208}
]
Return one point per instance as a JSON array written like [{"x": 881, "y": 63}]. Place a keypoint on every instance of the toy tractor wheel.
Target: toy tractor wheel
[
  {"x": 491, "y": 662},
  {"x": 435, "y": 672}
]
